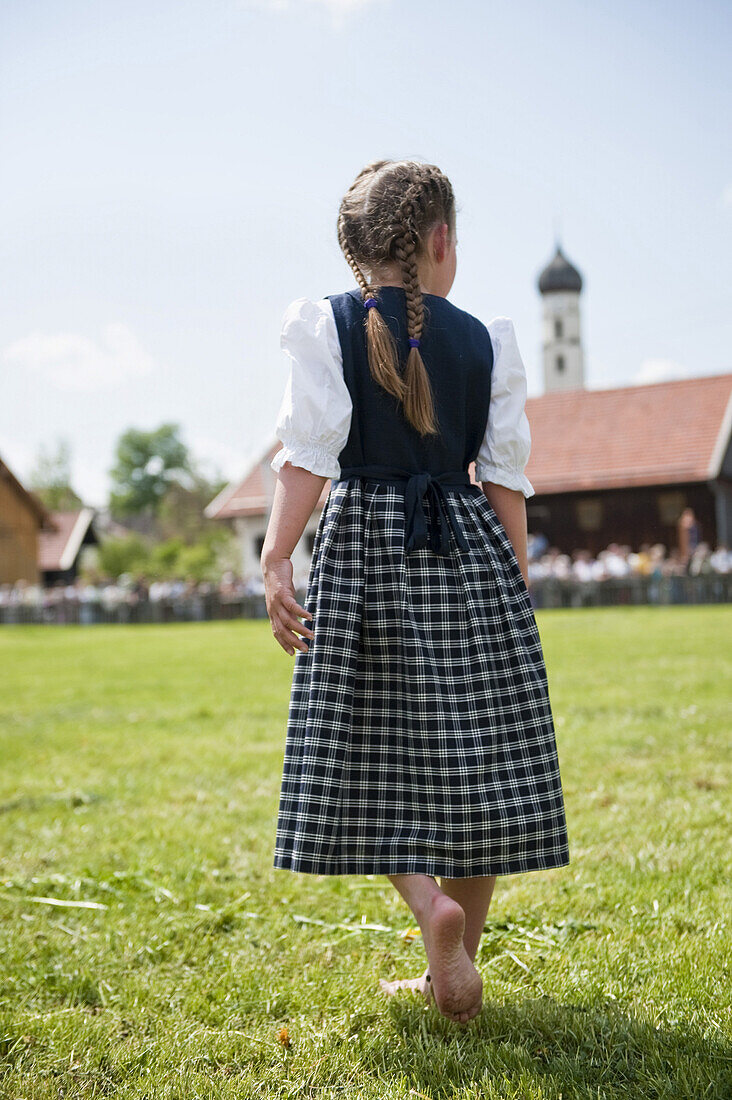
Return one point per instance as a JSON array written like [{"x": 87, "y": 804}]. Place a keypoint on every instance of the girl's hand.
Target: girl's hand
[{"x": 283, "y": 609}]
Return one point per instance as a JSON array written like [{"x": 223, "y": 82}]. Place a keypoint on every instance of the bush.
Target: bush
[
  {"x": 203, "y": 560},
  {"x": 128, "y": 554}
]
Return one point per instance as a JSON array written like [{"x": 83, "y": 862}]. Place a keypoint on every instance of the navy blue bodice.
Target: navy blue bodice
[{"x": 458, "y": 355}]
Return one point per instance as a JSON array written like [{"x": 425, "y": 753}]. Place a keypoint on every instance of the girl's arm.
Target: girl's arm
[
  {"x": 510, "y": 507},
  {"x": 297, "y": 491}
]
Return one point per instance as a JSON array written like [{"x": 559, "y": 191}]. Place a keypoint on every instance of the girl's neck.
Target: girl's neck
[
  {"x": 400, "y": 286},
  {"x": 429, "y": 282}
]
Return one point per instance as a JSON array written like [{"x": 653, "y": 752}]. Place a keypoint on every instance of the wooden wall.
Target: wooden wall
[
  {"x": 592, "y": 520},
  {"x": 18, "y": 537}
]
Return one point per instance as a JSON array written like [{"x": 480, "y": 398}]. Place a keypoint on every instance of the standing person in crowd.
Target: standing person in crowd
[
  {"x": 689, "y": 534},
  {"x": 420, "y": 740}
]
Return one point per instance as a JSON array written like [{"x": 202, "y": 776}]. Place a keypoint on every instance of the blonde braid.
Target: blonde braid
[
  {"x": 384, "y": 218},
  {"x": 350, "y": 260},
  {"x": 419, "y": 406},
  {"x": 380, "y": 343}
]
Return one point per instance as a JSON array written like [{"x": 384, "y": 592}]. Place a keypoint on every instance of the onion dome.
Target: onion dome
[{"x": 559, "y": 274}]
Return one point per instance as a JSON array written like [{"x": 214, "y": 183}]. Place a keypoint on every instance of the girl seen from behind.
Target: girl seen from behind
[{"x": 420, "y": 741}]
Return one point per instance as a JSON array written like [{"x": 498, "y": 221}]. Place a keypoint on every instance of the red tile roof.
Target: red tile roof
[
  {"x": 57, "y": 549},
  {"x": 253, "y": 495},
  {"x": 657, "y": 434}
]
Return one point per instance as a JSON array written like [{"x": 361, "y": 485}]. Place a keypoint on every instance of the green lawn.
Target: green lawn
[{"x": 139, "y": 785}]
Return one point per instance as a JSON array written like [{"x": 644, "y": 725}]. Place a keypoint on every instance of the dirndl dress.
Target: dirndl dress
[{"x": 420, "y": 736}]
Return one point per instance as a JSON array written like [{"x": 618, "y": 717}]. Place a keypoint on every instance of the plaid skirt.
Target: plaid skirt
[{"x": 420, "y": 736}]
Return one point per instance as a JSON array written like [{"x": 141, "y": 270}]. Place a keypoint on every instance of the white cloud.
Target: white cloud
[
  {"x": 337, "y": 9},
  {"x": 71, "y": 361},
  {"x": 215, "y": 454},
  {"x": 91, "y": 483},
  {"x": 659, "y": 370}
]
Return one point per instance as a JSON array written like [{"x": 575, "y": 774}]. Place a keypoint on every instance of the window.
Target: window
[
  {"x": 560, "y": 364},
  {"x": 558, "y": 328}
]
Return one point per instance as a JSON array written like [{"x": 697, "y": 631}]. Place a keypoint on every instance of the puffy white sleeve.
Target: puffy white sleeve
[
  {"x": 506, "y": 445},
  {"x": 315, "y": 414}
]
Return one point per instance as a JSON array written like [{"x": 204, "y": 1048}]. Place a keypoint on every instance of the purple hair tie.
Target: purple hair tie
[
  {"x": 413, "y": 342},
  {"x": 370, "y": 303}
]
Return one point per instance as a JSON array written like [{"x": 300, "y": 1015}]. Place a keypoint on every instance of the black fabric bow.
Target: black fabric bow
[{"x": 418, "y": 488}]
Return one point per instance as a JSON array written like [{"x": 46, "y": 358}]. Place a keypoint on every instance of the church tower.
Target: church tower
[{"x": 560, "y": 284}]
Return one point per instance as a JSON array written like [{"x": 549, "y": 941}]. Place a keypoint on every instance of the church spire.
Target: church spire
[{"x": 560, "y": 285}]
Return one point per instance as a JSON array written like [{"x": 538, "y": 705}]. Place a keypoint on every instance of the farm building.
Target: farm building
[
  {"x": 60, "y": 551},
  {"x": 614, "y": 465},
  {"x": 608, "y": 465},
  {"x": 22, "y": 520}
]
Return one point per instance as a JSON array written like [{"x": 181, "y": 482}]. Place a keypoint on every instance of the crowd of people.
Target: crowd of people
[
  {"x": 618, "y": 560},
  {"x": 109, "y": 595},
  {"x": 90, "y": 600}
]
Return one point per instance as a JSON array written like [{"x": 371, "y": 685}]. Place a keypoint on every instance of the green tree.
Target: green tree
[
  {"x": 147, "y": 464},
  {"x": 129, "y": 554},
  {"x": 164, "y": 558},
  {"x": 199, "y": 562},
  {"x": 50, "y": 478},
  {"x": 182, "y": 509}
]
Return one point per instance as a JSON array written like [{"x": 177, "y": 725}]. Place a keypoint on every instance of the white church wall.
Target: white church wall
[{"x": 562, "y": 343}]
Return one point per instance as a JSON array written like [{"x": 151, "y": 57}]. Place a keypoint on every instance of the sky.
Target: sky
[{"x": 171, "y": 174}]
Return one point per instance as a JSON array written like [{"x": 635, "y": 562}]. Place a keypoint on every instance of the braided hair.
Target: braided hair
[{"x": 384, "y": 217}]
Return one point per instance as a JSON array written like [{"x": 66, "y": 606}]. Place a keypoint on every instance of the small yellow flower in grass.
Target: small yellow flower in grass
[
  {"x": 411, "y": 933},
  {"x": 284, "y": 1036}
]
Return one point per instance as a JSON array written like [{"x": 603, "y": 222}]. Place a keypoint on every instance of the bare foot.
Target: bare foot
[
  {"x": 457, "y": 985},
  {"x": 422, "y": 985}
]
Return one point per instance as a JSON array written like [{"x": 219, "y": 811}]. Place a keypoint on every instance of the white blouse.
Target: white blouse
[{"x": 315, "y": 414}]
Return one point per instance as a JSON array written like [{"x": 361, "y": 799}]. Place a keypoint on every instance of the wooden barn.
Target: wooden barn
[
  {"x": 620, "y": 465},
  {"x": 22, "y": 519},
  {"x": 60, "y": 551},
  {"x": 608, "y": 465}
]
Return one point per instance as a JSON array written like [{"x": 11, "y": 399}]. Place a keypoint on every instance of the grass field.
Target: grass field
[{"x": 151, "y": 950}]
